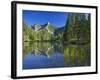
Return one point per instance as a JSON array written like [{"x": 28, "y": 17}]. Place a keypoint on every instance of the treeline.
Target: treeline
[
  {"x": 30, "y": 34},
  {"x": 77, "y": 28}
]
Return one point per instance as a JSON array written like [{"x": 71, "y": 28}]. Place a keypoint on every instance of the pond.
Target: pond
[{"x": 37, "y": 55}]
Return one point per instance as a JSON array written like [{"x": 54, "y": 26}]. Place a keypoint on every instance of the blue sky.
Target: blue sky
[{"x": 58, "y": 19}]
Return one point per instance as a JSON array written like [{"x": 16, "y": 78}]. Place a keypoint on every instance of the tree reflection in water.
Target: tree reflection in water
[{"x": 71, "y": 55}]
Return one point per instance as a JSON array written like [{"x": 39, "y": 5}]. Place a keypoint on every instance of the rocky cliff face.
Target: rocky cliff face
[
  {"x": 48, "y": 27},
  {"x": 39, "y": 32}
]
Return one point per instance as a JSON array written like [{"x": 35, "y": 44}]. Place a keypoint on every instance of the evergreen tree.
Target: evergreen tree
[{"x": 77, "y": 28}]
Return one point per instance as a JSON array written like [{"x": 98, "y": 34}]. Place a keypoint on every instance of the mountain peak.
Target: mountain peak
[
  {"x": 36, "y": 27},
  {"x": 48, "y": 23}
]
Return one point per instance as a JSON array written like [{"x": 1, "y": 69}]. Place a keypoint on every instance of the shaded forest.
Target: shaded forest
[{"x": 77, "y": 28}]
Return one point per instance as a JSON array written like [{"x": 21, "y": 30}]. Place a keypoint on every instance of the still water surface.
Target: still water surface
[{"x": 38, "y": 55}]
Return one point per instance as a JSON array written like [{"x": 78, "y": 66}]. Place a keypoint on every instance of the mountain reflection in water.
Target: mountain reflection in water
[{"x": 38, "y": 55}]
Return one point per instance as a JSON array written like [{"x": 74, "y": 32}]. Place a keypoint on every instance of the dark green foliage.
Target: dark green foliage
[{"x": 77, "y": 28}]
